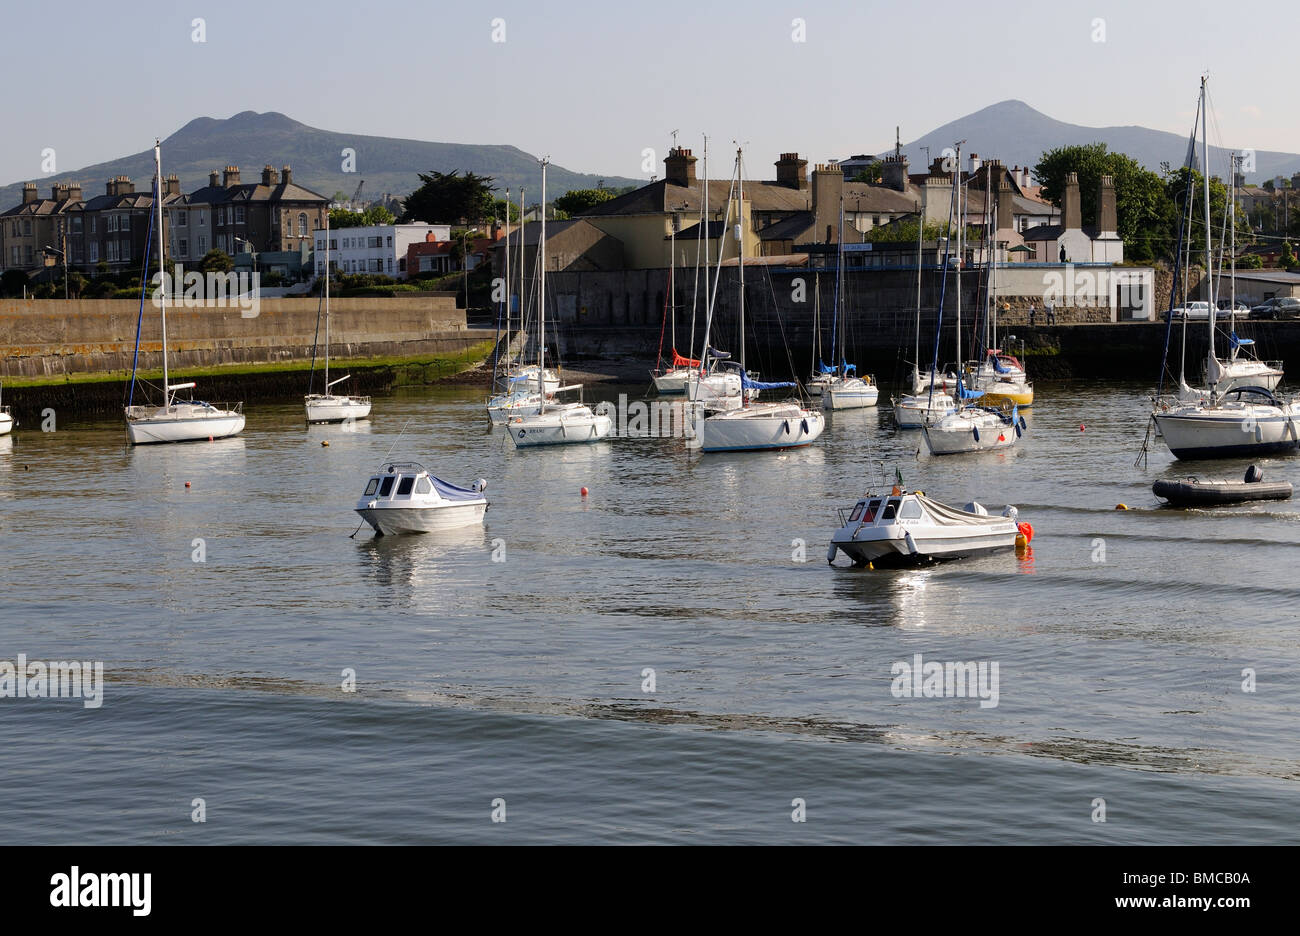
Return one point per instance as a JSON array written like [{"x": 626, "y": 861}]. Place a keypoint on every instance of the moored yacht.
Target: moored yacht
[{"x": 403, "y": 497}]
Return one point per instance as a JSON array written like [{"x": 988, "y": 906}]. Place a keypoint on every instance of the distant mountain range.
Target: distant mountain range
[
  {"x": 1015, "y": 133},
  {"x": 250, "y": 140}
]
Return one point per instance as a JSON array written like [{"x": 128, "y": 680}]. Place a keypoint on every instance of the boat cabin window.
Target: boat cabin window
[
  {"x": 387, "y": 487},
  {"x": 911, "y": 510},
  {"x": 857, "y": 511},
  {"x": 891, "y": 510},
  {"x": 870, "y": 515},
  {"x": 372, "y": 486},
  {"x": 423, "y": 486},
  {"x": 404, "y": 486}
]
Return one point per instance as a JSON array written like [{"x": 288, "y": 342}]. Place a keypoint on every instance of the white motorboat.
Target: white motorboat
[
  {"x": 176, "y": 420},
  {"x": 558, "y": 423},
  {"x": 329, "y": 407},
  {"x": 405, "y": 498},
  {"x": 850, "y": 393},
  {"x": 6, "y": 417},
  {"x": 916, "y": 410},
  {"x": 911, "y": 529},
  {"x": 1247, "y": 421},
  {"x": 973, "y": 429}
]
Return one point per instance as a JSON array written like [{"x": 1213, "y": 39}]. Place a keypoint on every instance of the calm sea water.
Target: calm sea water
[{"x": 1121, "y": 640}]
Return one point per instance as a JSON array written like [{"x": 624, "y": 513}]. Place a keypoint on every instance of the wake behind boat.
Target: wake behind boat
[{"x": 913, "y": 529}]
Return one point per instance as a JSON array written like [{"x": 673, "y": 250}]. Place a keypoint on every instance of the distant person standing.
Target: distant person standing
[
  {"x": 1031, "y": 313},
  {"x": 1051, "y": 312}
]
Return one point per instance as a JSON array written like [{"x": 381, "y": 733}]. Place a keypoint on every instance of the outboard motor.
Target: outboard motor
[{"x": 1254, "y": 474}]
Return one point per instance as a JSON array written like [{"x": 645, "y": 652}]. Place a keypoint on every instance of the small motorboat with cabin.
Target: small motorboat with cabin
[
  {"x": 909, "y": 528},
  {"x": 403, "y": 497}
]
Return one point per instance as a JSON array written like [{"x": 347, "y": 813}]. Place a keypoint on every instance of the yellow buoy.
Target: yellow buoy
[
  {"x": 1121, "y": 506},
  {"x": 1021, "y": 542},
  {"x": 324, "y": 443}
]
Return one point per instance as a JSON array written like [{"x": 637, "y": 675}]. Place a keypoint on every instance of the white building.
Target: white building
[{"x": 379, "y": 249}]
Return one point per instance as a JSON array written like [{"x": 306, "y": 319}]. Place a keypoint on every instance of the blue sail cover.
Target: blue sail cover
[
  {"x": 846, "y": 366},
  {"x": 824, "y": 368},
  {"x": 1239, "y": 342},
  {"x": 968, "y": 394},
  {"x": 719, "y": 355},
  {"x": 760, "y": 385},
  {"x": 453, "y": 492},
  {"x": 997, "y": 365}
]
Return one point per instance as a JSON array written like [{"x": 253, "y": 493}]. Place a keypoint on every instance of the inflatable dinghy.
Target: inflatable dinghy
[{"x": 1192, "y": 492}]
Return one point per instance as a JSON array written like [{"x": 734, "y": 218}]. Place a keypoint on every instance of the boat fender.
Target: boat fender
[
  {"x": 911, "y": 543},
  {"x": 1017, "y": 430},
  {"x": 976, "y": 430},
  {"x": 1022, "y": 423},
  {"x": 480, "y": 485},
  {"x": 1254, "y": 474},
  {"x": 1011, "y": 513},
  {"x": 830, "y": 553},
  {"x": 786, "y": 426},
  {"x": 1026, "y": 531},
  {"x": 804, "y": 424}
]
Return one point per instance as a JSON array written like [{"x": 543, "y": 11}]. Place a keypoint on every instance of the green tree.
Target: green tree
[
  {"x": 216, "y": 261},
  {"x": 342, "y": 218},
  {"x": 1144, "y": 215},
  {"x": 377, "y": 215},
  {"x": 1287, "y": 258},
  {"x": 507, "y": 210},
  {"x": 447, "y": 197},
  {"x": 580, "y": 200},
  {"x": 904, "y": 232},
  {"x": 872, "y": 173}
]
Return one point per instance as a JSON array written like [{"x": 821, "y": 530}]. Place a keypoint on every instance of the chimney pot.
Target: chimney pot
[
  {"x": 230, "y": 177},
  {"x": 29, "y": 193},
  {"x": 679, "y": 167},
  {"x": 792, "y": 171},
  {"x": 286, "y": 175}
]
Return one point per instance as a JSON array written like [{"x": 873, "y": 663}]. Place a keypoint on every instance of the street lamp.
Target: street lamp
[
  {"x": 464, "y": 261},
  {"x": 244, "y": 240},
  {"x": 63, "y": 261}
]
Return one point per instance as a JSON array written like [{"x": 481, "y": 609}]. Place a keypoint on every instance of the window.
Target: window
[
  {"x": 371, "y": 487},
  {"x": 94, "y": 252},
  {"x": 404, "y": 487},
  {"x": 387, "y": 487},
  {"x": 320, "y": 243},
  {"x": 302, "y": 224},
  {"x": 92, "y": 224},
  {"x": 203, "y": 218},
  {"x": 110, "y": 224},
  {"x": 320, "y": 266},
  {"x": 239, "y": 214},
  {"x": 124, "y": 250},
  {"x": 125, "y": 223},
  {"x": 911, "y": 510},
  {"x": 401, "y": 265},
  {"x": 27, "y": 228},
  {"x": 31, "y": 257},
  {"x": 423, "y": 486},
  {"x": 857, "y": 512},
  {"x": 376, "y": 266},
  {"x": 15, "y": 256},
  {"x": 426, "y": 264},
  {"x": 376, "y": 242},
  {"x": 182, "y": 218},
  {"x": 390, "y": 240},
  {"x": 74, "y": 225},
  {"x": 390, "y": 264},
  {"x": 111, "y": 247},
  {"x": 203, "y": 243},
  {"x": 184, "y": 248},
  {"x": 334, "y": 244},
  {"x": 221, "y": 216}
]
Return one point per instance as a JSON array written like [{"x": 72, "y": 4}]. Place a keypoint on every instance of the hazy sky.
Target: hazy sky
[{"x": 594, "y": 83}]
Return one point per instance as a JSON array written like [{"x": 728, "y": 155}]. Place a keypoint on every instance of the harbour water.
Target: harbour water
[{"x": 515, "y": 662}]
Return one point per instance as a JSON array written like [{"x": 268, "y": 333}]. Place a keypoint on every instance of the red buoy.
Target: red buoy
[
  {"x": 1081, "y": 429},
  {"x": 584, "y": 492},
  {"x": 187, "y": 484}
]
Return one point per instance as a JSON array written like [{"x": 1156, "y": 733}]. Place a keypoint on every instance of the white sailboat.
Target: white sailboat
[
  {"x": 329, "y": 407},
  {"x": 1245, "y": 421},
  {"x": 969, "y": 427},
  {"x": 913, "y": 410},
  {"x": 754, "y": 426},
  {"x": 558, "y": 423},
  {"x": 176, "y": 420},
  {"x": 520, "y": 394},
  {"x": 845, "y": 389}
]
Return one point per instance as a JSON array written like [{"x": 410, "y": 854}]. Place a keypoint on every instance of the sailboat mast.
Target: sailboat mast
[
  {"x": 541, "y": 302},
  {"x": 523, "y": 302},
  {"x": 704, "y": 228},
  {"x": 162, "y": 291},
  {"x": 740, "y": 255},
  {"x": 1232, "y": 249},
  {"x": 1209, "y": 256},
  {"x": 920, "y": 236},
  {"x": 508, "y": 286},
  {"x": 961, "y": 225},
  {"x": 327, "y": 302},
  {"x": 672, "y": 283}
]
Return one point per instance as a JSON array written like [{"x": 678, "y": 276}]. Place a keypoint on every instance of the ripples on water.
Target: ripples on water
[{"x": 1118, "y": 678}]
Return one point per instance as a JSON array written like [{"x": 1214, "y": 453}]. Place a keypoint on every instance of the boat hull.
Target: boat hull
[
  {"x": 673, "y": 381},
  {"x": 6, "y": 423},
  {"x": 559, "y": 429},
  {"x": 1021, "y": 396},
  {"x": 896, "y": 552},
  {"x": 336, "y": 409},
  {"x": 956, "y": 435},
  {"x": 1227, "y": 436},
  {"x": 759, "y": 429},
  {"x": 183, "y": 426},
  {"x": 916, "y": 412},
  {"x": 839, "y": 397},
  {"x": 1189, "y": 492},
  {"x": 388, "y": 521}
]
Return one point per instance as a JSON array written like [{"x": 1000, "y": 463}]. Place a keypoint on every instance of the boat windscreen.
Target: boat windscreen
[
  {"x": 387, "y": 487},
  {"x": 372, "y": 486},
  {"x": 404, "y": 486}
]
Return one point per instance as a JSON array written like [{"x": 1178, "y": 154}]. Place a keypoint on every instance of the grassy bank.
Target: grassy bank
[{"x": 423, "y": 368}]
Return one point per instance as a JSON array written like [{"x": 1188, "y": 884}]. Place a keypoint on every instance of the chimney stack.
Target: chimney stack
[
  {"x": 286, "y": 175},
  {"x": 74, "y": 191},
  {"x": 894, "y": 172},
  {"x": 679, "y": 167},
  {"x": 827, "y": 187},
  {"x": 269, "y": 175},
  {"x": 230, "y": 177},
  {"x": 975, "y": 163},
  {"x": 1006, "y": 206},
  {"x": 29, "y": 193},
  {"x": 1070, "y": 217},
  {"x": 1106, "y": 217},
  {"x": 1024, "y": 177},
  {"x": 791, "y": 171}
]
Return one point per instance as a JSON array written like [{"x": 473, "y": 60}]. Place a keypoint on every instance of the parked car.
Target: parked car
[
  {"x": 1279, "y": 307},
  {"x": 1225, "y": 308},
  {"x": 1193, "y": 311}
]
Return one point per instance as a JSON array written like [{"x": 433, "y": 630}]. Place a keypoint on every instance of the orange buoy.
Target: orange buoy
[
  {"x": 324, "y": 443},
  {"x": 1026, "y": 531}
]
